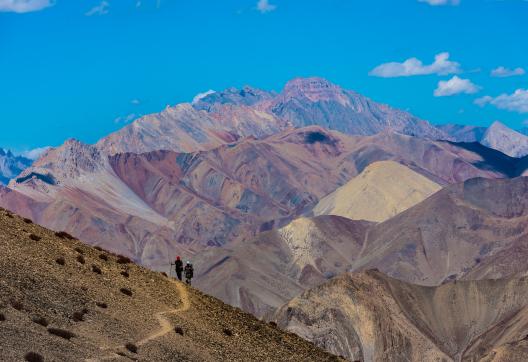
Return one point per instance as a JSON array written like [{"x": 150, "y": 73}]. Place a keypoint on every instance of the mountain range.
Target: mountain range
[
  {"x": 11, "y": 165},
  {"x": 286, "y": 202}
]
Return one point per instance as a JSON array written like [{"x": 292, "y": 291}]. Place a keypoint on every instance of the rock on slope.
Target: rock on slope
[
  {"x": 261, "y": 274},
  {"x": 381, "y": 191},
  {"x": 11, "y": 165},
  {"x": 506, "y": 140},
  {"x": 63, "y": 300},
  {"x": 371, "y": 317},
  {"x": 473, "y": 230}
]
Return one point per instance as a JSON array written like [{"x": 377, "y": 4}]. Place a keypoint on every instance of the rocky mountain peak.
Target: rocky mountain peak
[
  {"x": 504, "y": 139},
  {"x": 315, "y": 89}
]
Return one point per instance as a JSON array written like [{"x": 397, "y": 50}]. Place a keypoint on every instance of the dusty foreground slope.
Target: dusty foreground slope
[
  {"x": 65, "y": 301},
  {"x": 381, "y": 191},
  {"x": 371, "y": 317}
]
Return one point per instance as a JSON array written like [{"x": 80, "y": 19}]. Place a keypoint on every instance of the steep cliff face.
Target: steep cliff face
[{"x": 371, "y": 317}]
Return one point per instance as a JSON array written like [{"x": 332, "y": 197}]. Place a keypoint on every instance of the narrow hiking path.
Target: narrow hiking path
[{"x": 165, "y": 325}]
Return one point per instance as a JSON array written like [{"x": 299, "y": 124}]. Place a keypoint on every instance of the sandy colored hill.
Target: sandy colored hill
[
  {"x": 371, "y": 317},
  {"x": 261, "y": 274},
  {"x": 381, "y": 191},
  {"x": 64, "y": 301}
]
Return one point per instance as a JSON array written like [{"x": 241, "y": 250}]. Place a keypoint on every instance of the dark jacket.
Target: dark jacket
[
  {"x": 179, "y": 266},
  {"x": 189, "y": 271}
]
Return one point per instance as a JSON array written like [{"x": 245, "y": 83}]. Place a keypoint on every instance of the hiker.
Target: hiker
[
  {"x": 189, "y": 272},
  {"x": 178, "y": 265}
]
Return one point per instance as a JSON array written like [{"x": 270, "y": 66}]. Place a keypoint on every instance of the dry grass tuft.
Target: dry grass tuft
[
  {"x": 125, "y": 274},
  {"x": 101, "y": 305},
  {"x": 126, "y": 291},
  {"x": 80, "y": 259},
  {"x": 131, "y": 347},
  {"x": 79, "y": 316},
  {"x": 228, "y": 332},
  {"x": 179, "y": 330},
  {"x": 96, "y": 269},
  {"x": 60, "y": 261},
  {"x": 41, "y": 320},
  {"x": 64, "y": 235},
  {"x": 103, "y": 257},
  {"x": 79, "y": 250},
  {"x": 27, "y": 221},
  {"x": 34, "y": 237},
  {"x": 33, "y": 357},
  {"x": 61, "y": 333},
  {"x": 123, "y": 260}
]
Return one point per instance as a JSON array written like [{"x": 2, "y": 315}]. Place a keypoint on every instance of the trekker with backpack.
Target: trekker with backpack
[
  {"x": 178, "y": 265},
  {"x": 189, "y": 272}
]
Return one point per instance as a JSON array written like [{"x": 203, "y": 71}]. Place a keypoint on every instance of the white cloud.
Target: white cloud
[
  {"x": 34, "y": 153},
  {"x": 126, "y": 119},
  {"x": 136, "y": 101},
  {"x": 199, "y": 96},
  {"x": 454, "y": 86},
  {"x": 413, "y": 66},
  {"x": 264, "y": 6},
  {"x": 502, "y": 72},
  {"x": 516, "y": 102},
  {"x": 101, "y": 9},
  {"x": 24, "y": 6},
  {"x": 440, "y": 2}
]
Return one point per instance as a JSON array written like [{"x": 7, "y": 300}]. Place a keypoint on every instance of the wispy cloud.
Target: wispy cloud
[
  {"x": 34, "y": 153},
  {"x": 126, "y": 119},
  {"x": 413, "y": 66},
  {"x": 503, "y": 72},
  {"x": 24, "y": 6},
  {"x": 440, "y": 2},
  {"x": 264, "y": 6},
  {"x": 101, "y": 9},
  {"x": 454, "y": 86},
  {"x": 199, "y": 96},
  {"x": 515, "y": 102},
  {"x": 135, "y": 101}
]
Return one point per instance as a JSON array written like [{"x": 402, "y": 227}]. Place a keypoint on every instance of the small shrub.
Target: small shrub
[
  {"x": 98, "y": 248},
  {"x": 228, "y": 332},
  {"x": 2, "y": 317},
  {"x": 64, "y": 235},
  {"x": 34, "y": 237},
  {"x": 131, "y": 347},
  {"x": 96, "y": 269},
  {"x": 27, "y": 221},
  {"x": 60, "y": 261},
  {"x": 101, "y": 305},
  {"x": 80, "y": 259},
  {"x": 79, "y": 250},
  {"x": 79, "y": 316},
  {"x": 103, "y": 257},
  {"x": 33, "y": 357},
  {"x": 61, "y": 333},
  {"x": 273, "y": 324},
  {"x": 41, "y": 320},
  {"x": 179, "y": 330},
  {"x": 164, "y": 274},
  {"x": 17, "y": 305},
  {"x": 9, "y": 215},
  {"x": 125, "y": 274},
  {"x": 126, "y": 291},
  {"x": 123, "y": 260}
]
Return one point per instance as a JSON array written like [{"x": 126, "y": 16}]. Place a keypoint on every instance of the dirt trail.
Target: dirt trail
[{"x": 166, "y": 325}]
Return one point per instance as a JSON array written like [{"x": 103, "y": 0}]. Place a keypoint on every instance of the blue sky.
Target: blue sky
[{"x": 85, "y": 68}]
